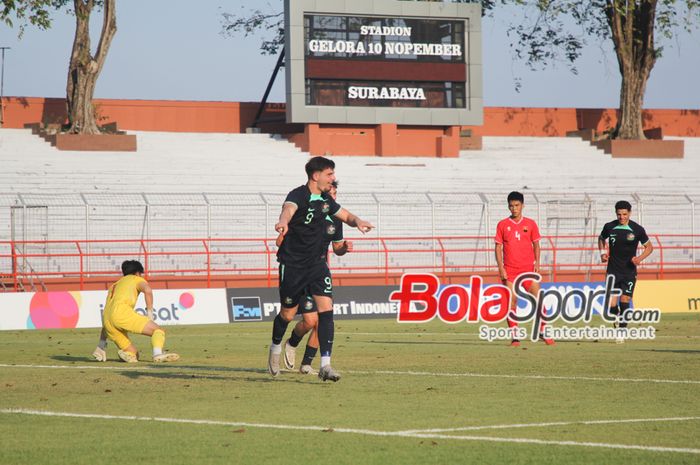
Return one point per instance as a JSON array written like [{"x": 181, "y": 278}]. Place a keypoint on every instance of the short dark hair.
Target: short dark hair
[
  {"x": 623, "y": 205},
  {"x": 515, "y": 195},
  {"x": 318, "y": 164},
  {"x": 132, "y": 267}
]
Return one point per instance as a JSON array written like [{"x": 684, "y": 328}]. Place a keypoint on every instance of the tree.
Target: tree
[
  {"x": 84, "y": 68},
  {"x": 254, "y": 21},
  {"x": 544, "y": 38},
  {"x": 632, "y": 25}
]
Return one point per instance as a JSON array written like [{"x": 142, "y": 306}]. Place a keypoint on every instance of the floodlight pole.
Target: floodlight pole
[
  {"x": 261, "y": 107},
  {"x": 2, "y": 85}
]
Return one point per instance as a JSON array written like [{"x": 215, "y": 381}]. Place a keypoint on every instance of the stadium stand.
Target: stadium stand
[
  {"x": 224, "y": 186},
  {"x": 206, "y": 162}
]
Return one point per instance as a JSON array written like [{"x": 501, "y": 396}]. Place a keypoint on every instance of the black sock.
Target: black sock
[
  {"x": 615, "y": 311},
  {"x": 624, "y": 306},
  {"x": 279, "y": 327},
  {"x": 309, "y": 355},
  {"x": 326, "y": 331},
  {"x": 294, "y": 339}
]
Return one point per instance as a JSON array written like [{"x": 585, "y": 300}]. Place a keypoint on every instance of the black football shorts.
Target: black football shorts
[{"x": 296, "y": 282}]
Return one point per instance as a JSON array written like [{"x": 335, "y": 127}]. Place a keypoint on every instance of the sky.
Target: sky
[{"x": 170, "y": 50}]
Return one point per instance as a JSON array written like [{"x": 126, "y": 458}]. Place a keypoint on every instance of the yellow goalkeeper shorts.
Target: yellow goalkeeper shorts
[{"x": 121, "y": 320}]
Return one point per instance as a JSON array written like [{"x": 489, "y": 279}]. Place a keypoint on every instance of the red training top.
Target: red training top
[{"x": 517, "y": 239}]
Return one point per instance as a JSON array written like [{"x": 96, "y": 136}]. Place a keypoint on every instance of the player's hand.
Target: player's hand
[
  {"x": 279, "y": 240},
  {"x": 604, "y": 258},
  {"x": 282, "y": 228},
  {"x": 636, "y": 261},
  {"x": 536, "y": 268},
  {"x": 348, "y": 246},
  {"x": 364, "y": 226},
  {"x": 99, "y": 355},
  {"x": 503, "y": 275}
]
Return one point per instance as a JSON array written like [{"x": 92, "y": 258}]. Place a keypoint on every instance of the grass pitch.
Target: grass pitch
[{"x": 432, "y": 393}]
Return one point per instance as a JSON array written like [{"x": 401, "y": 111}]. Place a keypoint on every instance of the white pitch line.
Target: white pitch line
[
  {"x": 543, "y": 377},
  {"x": 364, "y": 432},
  {"x": 376, "y": 372},
  {"x": 552, "y": 423}
]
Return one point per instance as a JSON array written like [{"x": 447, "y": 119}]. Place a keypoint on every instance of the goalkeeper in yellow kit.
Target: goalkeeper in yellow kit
[{"x": 119, "y": 318}]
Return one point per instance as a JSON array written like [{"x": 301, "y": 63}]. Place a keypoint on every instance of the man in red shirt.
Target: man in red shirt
[{"x": 517, "y": 252}]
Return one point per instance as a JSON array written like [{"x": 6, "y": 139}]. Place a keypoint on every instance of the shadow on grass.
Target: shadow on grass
[
  {"x": 72, "y": 358},
  {"x": 161, "y": 366},
  {"x": 159, "y": 371},
  {"x": 194, "y": 377},
  {"x": 287, "y": 376},
  {"x": 167, "y": 366},
  {"x": 183, "y": 376}
]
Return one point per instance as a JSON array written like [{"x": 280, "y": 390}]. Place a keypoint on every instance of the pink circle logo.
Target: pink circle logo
[
  {"x": 54, "y": 310},
  {"x": 186, "y": 300}
]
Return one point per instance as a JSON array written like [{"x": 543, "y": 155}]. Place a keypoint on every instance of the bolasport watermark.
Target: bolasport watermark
[
  {"x": 564, "y": 333},
  {"x": 421, "y": 299}
]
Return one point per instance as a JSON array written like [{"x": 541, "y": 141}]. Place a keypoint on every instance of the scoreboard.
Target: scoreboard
[{"x": 383, "y": 61}]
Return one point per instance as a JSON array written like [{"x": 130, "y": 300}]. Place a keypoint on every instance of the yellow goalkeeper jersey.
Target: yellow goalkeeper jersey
[{"x": 124, "y": 292}]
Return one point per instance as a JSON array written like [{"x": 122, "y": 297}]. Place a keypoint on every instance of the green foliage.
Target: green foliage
[
  {"x": 29, "y": 12},
  {"x": 257, "y": 21},
  {"x": 37, "y": 13},
  {"x": 674, "y": 14},
  {"x": 545, "y": 36},
  {"x": 269, "y": 24},
  {"x": 542, "y": 38}
]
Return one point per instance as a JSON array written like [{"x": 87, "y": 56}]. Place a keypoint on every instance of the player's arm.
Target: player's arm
[
  {"x": 603, "y": 248},
  {"x": 99, "y": 353},
  {"x": 103, "y": 337},
  {"x": 110, "y": 293},
  {"x": 342, "y": 247},
  {"x": 603, "y": 243},
  {"x": 148, "y": 295},
  {"x": 288, "y": 210},
  {"x": 648, "y": 249},
  {"x": 499, "y": 261},
  {"x": 354, "y": 221},
  {"x": 536, "y": 249},
  {"x": 103, "y": 333}
]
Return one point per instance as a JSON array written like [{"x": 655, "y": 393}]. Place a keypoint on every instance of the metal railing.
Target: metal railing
[
  {"x": 96, "y": 216},
  {"x": 30, "y": 263}
]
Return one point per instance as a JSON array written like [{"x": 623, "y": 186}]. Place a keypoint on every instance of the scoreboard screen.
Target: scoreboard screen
[{"x": 371, "y": 65}]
